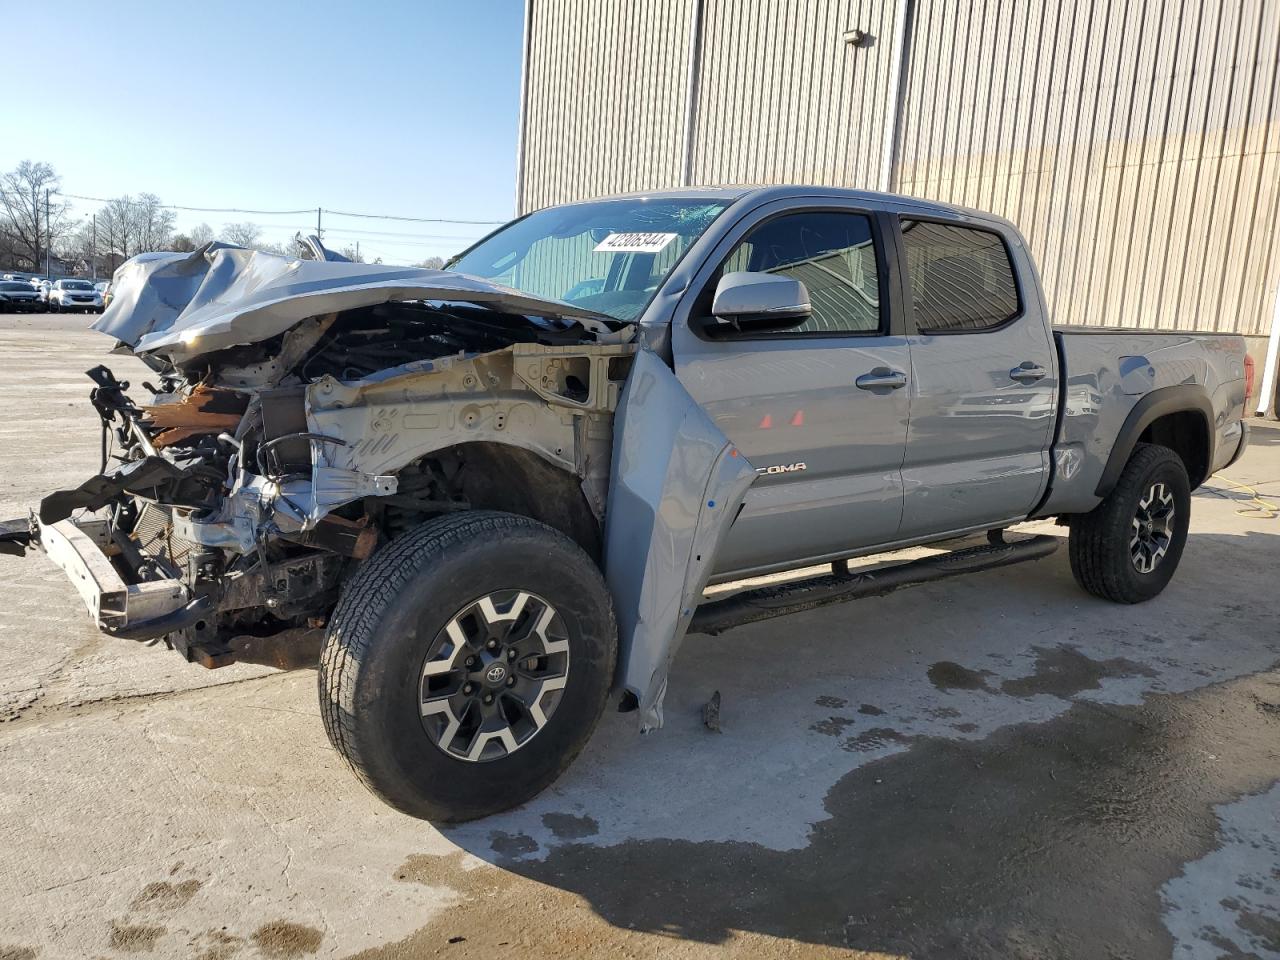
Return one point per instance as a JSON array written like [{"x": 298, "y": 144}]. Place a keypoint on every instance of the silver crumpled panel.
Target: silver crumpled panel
[
  {"x": 677, "y": 483},
  {"x": 181, "y": 305}
]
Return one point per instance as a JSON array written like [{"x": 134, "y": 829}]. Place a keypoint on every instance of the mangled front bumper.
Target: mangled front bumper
[{"x": 140, "y": 611}]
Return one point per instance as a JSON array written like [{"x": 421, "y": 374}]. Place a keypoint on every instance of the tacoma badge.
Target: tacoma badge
[{"x": 782, "y": 468}]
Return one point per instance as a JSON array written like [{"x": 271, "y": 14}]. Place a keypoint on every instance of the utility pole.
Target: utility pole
[
  {"x": 319, "y": 232},
  {"x": 357, "y": 251},
  {"x": 93, "y": 253},
  {"x": 35, "y": 254},
  {"x": 48, "y": 241}
]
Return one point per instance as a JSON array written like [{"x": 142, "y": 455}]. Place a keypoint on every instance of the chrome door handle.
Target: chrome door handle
[
  {"x": 881, "y": 378},
  {"x": 1028, "y": 372}
]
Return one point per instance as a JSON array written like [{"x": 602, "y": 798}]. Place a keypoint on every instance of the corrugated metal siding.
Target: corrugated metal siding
[
  {"x": 784, "y": 98},
  {"x": 604, "y": 111},
  {"x": 1136, "y": 143}
]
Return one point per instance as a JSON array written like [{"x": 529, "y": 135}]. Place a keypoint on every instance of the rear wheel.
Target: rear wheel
[
  {"x": 1127, "y": 548},
  {"x": 467, "y": 664}
]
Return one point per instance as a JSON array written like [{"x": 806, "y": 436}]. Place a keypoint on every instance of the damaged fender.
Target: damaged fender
[{"x": 676, "y": 487}]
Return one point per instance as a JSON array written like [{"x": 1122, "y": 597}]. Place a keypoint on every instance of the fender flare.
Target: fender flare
[{"x": 1183, "y": 398}]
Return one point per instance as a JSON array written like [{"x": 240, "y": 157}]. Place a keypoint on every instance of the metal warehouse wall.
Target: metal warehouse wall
[
  {"x": 604, "y": 104},
  {"x": 1136, "y": 143}
]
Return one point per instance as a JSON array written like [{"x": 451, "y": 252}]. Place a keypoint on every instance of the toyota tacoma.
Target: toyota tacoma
[{"x": 499, "y": 491}]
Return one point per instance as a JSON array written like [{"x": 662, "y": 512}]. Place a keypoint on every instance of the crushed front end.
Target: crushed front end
[{"x": 296, "y": 420}]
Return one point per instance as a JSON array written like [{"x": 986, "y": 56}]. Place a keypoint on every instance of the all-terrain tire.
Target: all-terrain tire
[
  {"x": 1099, "y": 546},
  {"x": 385, "y": 624}
]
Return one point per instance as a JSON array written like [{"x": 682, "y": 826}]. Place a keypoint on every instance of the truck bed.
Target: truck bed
[{"x": 1106, "y": 374}]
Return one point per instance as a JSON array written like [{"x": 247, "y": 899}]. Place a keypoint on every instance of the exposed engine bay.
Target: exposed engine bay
[{"x": 303, "y": 413}]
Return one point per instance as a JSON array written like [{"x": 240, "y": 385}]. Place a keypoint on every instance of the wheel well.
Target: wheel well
[
  {"x": 495, "y": 476},
  {"x": 1187, "y": 435}
]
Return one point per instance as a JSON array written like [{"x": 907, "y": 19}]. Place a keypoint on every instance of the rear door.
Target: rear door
[
  {"x": 819, "y": 410},
  {"x": 983, "y": 378}
]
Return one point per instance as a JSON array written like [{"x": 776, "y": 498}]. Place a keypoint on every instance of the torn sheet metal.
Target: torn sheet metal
[
  {"x": 137, "y": 476},
  {"x": 677, "y": 484},
  {"x": 184, "y": 305}
]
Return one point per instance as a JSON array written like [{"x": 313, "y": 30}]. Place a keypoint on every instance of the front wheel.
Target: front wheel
[
  {"x": 1127, "y": 548},
  {"x": 467, "y": 664}
]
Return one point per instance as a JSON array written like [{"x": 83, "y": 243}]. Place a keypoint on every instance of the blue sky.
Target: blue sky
[{"x": 389, "y": 107}]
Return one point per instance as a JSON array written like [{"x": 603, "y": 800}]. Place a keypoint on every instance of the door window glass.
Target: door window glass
[
  {"x": 961, "y": 279},
  {"x": 832, "y": 254}
]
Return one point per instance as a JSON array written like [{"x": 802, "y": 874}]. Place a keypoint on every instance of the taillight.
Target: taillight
[{"x": 1248, "y": 383}]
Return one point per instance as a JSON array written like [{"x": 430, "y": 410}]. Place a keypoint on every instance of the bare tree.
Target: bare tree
[
  {"x": 433, "y": 263},
  {"x": 152, "y": 224},
  {"x": 115, "y": 231},
  {"x": 200, "y": 235},
  {"x": 242, "y": 234},
  {"x": 181, "y": 243},
  {"x": 352, "y": 254},
  {"x": 30, "y": 228}
]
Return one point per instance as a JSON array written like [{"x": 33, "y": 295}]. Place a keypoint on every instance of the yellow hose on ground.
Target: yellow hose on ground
[{"x": 1258, "y": 507}]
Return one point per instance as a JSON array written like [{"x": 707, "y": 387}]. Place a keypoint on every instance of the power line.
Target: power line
[
  {"x": 378, "y": 216},
  {"x": 392, "y": 233},
  {"x": 333, "y": 213},
  {"x": 174, "y": 206},
  {"x": 397, "y": 243},
  {"x": 352, "y": 231}
]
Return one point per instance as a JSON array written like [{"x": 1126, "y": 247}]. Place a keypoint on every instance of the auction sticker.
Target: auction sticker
[{"x": 634, "y": 242}]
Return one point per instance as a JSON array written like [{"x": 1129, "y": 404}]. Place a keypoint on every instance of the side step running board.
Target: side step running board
[{"x": 764, "y": 603}]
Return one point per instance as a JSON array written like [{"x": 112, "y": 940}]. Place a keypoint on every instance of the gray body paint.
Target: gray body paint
[
  {"x": 660, "y": 452},
  {"x": 676, "y": 488}
]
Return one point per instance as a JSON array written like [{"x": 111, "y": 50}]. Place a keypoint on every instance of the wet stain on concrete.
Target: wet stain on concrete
[
  {"x": 965, "y": 727},
  {"x": 948, "y": 675},
  {"x": 1267, "y": 706},
  {"x": 1065, "y": 671},
  {"x": 567, "y": 826},
  {"x": 282, "y": 940},
  {"x": 1266, "y": 929},
  {"x": 134, "y": 938},
  {"x": 1087, "y": 814},
  {"x": 217, "y": 945},
  {"x": 943, "y": 713},
  {"x": 832, "y": 726},
  {"x": 874, "y": 739},
  {"x": 17, "y": 953},
  {"x": 870, "y": 710},
  {"x": 164, "y": 895},
  {"x": 835, "y": 703},
  {"x": 512, "y": 844}
]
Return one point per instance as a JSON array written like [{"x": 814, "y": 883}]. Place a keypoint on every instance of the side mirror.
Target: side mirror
[{"x": 759, "y": 302}]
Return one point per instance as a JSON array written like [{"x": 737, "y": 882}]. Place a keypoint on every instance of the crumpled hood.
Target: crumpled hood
[{"x": 182, "y": 305}]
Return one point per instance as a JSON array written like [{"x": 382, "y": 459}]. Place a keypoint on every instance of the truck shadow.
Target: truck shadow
[{"x": 923, "y": 774}]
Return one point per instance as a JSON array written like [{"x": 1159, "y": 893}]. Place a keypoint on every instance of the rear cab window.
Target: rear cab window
[{"x": 961, "y": 278}]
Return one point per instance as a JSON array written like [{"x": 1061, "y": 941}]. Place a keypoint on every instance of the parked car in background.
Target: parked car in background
[
  {"x": 74, "y": 295},
  {"x": 105, "y": 290},
  {"x": 17, "y": 295}
]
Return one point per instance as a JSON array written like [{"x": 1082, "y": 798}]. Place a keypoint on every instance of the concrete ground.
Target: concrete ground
[{"x": 993, "y": 766}]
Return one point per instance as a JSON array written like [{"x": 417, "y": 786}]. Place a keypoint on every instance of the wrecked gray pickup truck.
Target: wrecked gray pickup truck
[{"x": 499, "y": 491}]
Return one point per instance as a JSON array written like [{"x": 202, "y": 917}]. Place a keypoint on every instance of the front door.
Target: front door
[
  {"x": 983, "y": 381},
  {"x": 819, "y": 410}
]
